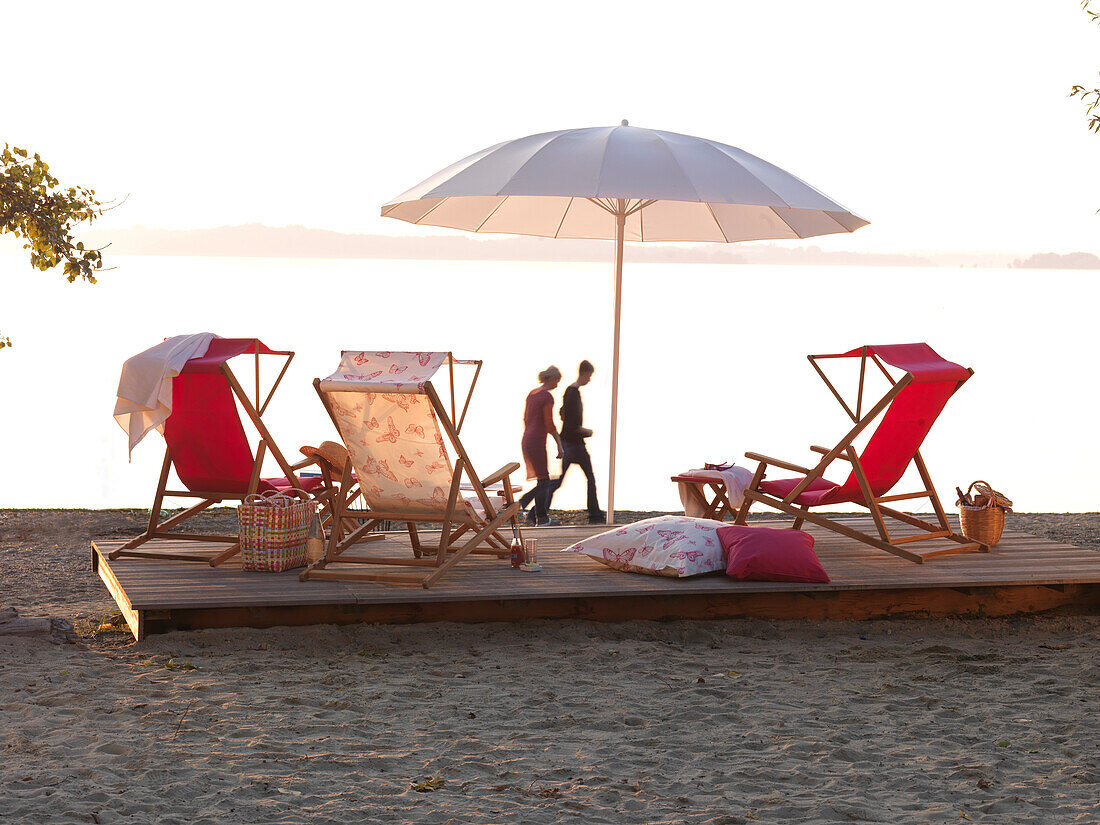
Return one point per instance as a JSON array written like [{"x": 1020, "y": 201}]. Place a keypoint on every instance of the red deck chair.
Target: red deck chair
[
  {"x": 908, "y": 411},
  {"x": 207, "y": 446}
]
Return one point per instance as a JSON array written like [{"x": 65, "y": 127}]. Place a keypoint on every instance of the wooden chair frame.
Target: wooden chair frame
[
  {"x": 497, "y": 538},
  {"x": 455, "y": 522},
  {"x": 846, "y": 451},
  {"x": 156, "y": 529},
  {"x": 330, "y": 478}
]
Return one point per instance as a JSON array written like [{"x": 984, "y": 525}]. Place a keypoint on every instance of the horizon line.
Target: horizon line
[{"x": 258, "y": 240}]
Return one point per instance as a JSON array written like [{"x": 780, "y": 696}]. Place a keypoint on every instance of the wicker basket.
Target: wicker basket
[
  {"x": 984, "y": 521},
  {"x": 272, "y": 529}
]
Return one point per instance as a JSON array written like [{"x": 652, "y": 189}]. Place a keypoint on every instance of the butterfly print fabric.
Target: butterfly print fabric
[
  {"x": 391, "y": 430},
  {"x": 675, "y": 546}
]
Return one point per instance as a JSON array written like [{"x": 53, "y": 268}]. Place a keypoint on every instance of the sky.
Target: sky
[{"x": 946, "y": 124}]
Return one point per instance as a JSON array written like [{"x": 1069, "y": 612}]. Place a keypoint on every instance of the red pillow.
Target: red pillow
[{"x": 765, "y": 554}]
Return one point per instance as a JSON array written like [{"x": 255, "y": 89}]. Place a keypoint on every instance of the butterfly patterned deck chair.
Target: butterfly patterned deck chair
[
  {"x": 908, "y": 410},
  {"x": 208, "y": 448},
  {"x": 396, "y": 430}
]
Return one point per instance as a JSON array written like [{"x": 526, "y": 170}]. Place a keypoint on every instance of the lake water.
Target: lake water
[{"x": 713, "y": 362}]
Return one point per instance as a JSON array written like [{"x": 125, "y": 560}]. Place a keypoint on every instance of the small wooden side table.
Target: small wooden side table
[{"x": 711, "y": 494}]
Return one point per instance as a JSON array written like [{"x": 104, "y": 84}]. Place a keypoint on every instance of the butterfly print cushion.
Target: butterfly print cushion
[{"x": 674, "y": 546}]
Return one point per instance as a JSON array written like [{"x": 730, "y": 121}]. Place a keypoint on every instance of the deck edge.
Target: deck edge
[
  {"x": 974, "y": 603},
  {"x": 134, "y": 618}
]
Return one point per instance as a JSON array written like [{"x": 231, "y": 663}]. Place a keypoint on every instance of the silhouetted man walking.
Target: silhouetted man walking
[{"x": 573, "y": 434}]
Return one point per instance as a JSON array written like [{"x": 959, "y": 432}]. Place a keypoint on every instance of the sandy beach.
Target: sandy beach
[
  {"x": 396, "y": 262},
  {"x": 906, "y": 721}
]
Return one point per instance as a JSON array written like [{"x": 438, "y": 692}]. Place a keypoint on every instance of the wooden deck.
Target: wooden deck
[{"x": 1023, "y": 574}]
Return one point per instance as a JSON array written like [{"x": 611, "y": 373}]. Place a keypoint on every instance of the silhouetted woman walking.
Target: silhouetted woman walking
[{"x": 538, "y": 423}]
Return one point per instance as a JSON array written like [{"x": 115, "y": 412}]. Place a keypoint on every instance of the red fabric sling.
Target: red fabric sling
[
  {"x": 205, "y": 436},
  {"x": 204, "y": 433},
  {"x": 899, "y": 434}
]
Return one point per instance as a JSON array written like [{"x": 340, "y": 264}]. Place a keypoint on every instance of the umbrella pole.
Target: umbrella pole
[{"x": 620, "y": 231}]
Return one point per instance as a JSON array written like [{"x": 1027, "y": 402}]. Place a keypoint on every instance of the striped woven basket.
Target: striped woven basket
[{"x": 272, "y": 529}]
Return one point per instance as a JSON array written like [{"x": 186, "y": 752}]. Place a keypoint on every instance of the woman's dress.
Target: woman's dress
[{"x": 538, "y": 423}]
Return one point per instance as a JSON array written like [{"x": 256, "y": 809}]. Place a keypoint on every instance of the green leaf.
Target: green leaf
[{"x": 37, "y": 211}]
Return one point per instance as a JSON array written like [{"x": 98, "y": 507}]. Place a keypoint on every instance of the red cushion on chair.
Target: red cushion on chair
[
  {"x": 766, "y": 554},
  {"x": 308, "y": 483},
  {"x": 817, "y": 490}
]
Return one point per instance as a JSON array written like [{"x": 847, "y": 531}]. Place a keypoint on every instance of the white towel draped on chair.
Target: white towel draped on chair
[{"x": 145, "y": 386}]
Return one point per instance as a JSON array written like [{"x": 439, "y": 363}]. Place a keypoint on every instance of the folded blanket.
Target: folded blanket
[
  {"x": 736, "y": 479},
  {"x": 145, "y": 386}
]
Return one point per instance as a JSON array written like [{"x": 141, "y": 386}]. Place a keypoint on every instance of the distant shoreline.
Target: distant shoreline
[{"x": 261, "y": 241}]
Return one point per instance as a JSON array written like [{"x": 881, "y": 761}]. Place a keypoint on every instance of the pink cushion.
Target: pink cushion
[
  {"x": 766, "y": 554},
  {"x": 815, "y": 494},
  {"x": 307, "y": 483}
]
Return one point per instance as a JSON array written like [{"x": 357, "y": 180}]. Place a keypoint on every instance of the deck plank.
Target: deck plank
[{"x": 141, "y": 585}]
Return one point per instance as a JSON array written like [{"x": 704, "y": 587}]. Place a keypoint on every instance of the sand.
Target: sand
[{"x": 901, "y": 721}]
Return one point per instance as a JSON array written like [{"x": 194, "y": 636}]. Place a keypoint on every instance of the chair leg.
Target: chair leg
[
  {"x": 225, "y": 555},
  {"x": 836, "y": 527},
  {"x": 336, "y": 534},
  {"x": 951, "y": 535},
  {"x": 335, "y": 549},
  {"x": 868, "y": 494},
  {"x": 501, "y": 548},
  {"x": 154, "y": 513},
  {"x": 867, "y": 539},
  {"x": 743, "y": 510},
  {"x": 926, "y": 478},
  {"x": 471, "y": 543},
  {"x": 448, "y": 515},
  {"x": 160, "y": 530},
  {"x": 130, "y": 545}
]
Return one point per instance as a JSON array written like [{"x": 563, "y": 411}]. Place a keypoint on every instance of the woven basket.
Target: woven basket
[
  {"x": 984, "y": 521},
  {"x": 272, "y": 529}
]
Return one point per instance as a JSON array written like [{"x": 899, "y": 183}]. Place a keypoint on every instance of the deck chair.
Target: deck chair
[
  {"x": 206, "y": 444},
  {"x": 396, "y": 428},
  {"x": 908, "y": 410}
]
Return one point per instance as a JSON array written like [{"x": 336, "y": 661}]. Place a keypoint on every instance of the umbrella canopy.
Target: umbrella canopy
[{"x": 622, "y": 183}]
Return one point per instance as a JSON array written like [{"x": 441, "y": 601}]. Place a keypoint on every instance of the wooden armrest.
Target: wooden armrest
[
  {"x": 786, "y": 465},
  {"x": 500, "y": 474},
  {"x": 825, "y": 451},
  {"x": 304, "y": 463}
]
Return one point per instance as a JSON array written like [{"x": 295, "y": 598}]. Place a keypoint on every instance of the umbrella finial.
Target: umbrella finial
[{"x": 626, "y": 122}]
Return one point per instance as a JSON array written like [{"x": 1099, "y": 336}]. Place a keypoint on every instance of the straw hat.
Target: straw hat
[{"x": 334, "y": 455}]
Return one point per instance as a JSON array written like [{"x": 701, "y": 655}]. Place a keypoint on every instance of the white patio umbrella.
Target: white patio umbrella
[{"x": 623, "y": 183}]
